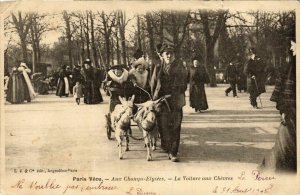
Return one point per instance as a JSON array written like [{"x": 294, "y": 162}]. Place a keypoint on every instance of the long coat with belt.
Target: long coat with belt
[
  {"x": 92, "y": 93},
  {"x": 197, "y": 78},
  {"x": 255, "y": 67}
]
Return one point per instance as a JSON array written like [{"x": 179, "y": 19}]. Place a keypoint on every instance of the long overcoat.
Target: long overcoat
[
  {"x": 197, "y": 78},
  {"x": 255, "y": 67}
]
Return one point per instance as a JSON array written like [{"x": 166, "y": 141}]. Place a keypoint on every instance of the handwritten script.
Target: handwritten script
[
  {"x": 52, "y": 184},
  {"x": 262, "y": 183}
]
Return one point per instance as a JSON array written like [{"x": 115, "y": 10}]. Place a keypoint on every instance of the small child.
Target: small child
[{"x": 77, "y": 92}]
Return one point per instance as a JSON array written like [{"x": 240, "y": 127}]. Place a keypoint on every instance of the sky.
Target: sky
[{"x": 56, "y": 20}]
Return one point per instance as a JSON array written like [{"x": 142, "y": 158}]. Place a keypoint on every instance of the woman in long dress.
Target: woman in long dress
[
  {"x": 19, "y": 87},
  {"x": 92, "y": 82},
  {"x": 63, "y": 87},
  {"x": 197, "y": 78}
]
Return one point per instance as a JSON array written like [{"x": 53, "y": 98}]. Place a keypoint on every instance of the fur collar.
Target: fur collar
[{"x": 121, "y": 79}]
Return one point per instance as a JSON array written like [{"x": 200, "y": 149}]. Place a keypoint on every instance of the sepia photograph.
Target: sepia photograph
[{"x": 149, "y": 98}]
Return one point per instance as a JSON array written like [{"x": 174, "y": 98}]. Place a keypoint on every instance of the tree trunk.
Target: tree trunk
[
  {"x": 107, "y": 47},
  {"x": 24, "y": 50},
  {"x": 139, "y": 41},
  {"x": 87, "y": 35},
  {"x": 34, "y": 49},
  {"x": 112, "y": 53},
  {"x": 209, "y": 59},
  {"x": 118, "y": 49},
  {"x": 82, "y": 42},
  {"x": 94, "y": 48},
  {"x": 161, "y": 27},
  {"x": 121, "y": 23},
  {"x": 69, "y": 37},
  {"x": 210, "y": 41},
  {"x": 22, "y": 26},
  {"x": 38, "y": 50},
  {"x": 151, "y": 36}
]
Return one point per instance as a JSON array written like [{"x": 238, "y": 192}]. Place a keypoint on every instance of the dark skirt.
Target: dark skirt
[
  {"x": 198, "y": 98},
  {"x": 60, "y": 91},
  {"x": 92, "y": 93},
  {"x": 17, "y": 90}
]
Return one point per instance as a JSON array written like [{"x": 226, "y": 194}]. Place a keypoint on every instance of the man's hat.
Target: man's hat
[
  {"x": 87, "y": 61},
  {"x": 197, "y": 58},
  {"x": 168, "y": 47}
]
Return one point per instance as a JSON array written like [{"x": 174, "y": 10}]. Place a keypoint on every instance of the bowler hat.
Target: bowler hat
[{"x": 87, "y": 61}]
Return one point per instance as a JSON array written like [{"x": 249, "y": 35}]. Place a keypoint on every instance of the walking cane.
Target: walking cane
[{"x": 257, "y": 92}]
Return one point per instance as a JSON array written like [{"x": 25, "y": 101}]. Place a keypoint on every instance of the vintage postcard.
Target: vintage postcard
[{"x": 149, "y": 97}]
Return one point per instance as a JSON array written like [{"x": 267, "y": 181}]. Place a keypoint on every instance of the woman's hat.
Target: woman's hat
[
  {"x": 118, "y": 66},
  {"x": 140, "y": 61},
  {"x": 23, "y": 64},
  {"x": 138, "y": 54}
]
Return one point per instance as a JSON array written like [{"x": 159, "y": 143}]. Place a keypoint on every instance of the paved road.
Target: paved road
[{"x": 53, "y": 132}]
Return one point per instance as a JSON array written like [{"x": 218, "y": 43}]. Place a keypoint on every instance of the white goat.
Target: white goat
[
  {"x": 146, "y": 120},
  {"x": 120, "y": 120}
]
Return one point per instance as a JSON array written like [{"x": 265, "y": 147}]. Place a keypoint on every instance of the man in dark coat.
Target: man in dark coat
[
  {"x": 231, "y": 77},
  {"x": 92, "y": 93},
  {"x": 254, "y": 70},
  {"x": 169, "y": 78},
  {"x": 198, "y": 76}
]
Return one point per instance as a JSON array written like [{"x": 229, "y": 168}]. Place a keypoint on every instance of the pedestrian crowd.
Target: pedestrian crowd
[{"x": 167, "y": 77}]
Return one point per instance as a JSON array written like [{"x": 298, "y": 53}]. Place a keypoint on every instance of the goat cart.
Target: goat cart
[
  {"x": 121, "y": 119},
  {"x": 110, "y": 129}
]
